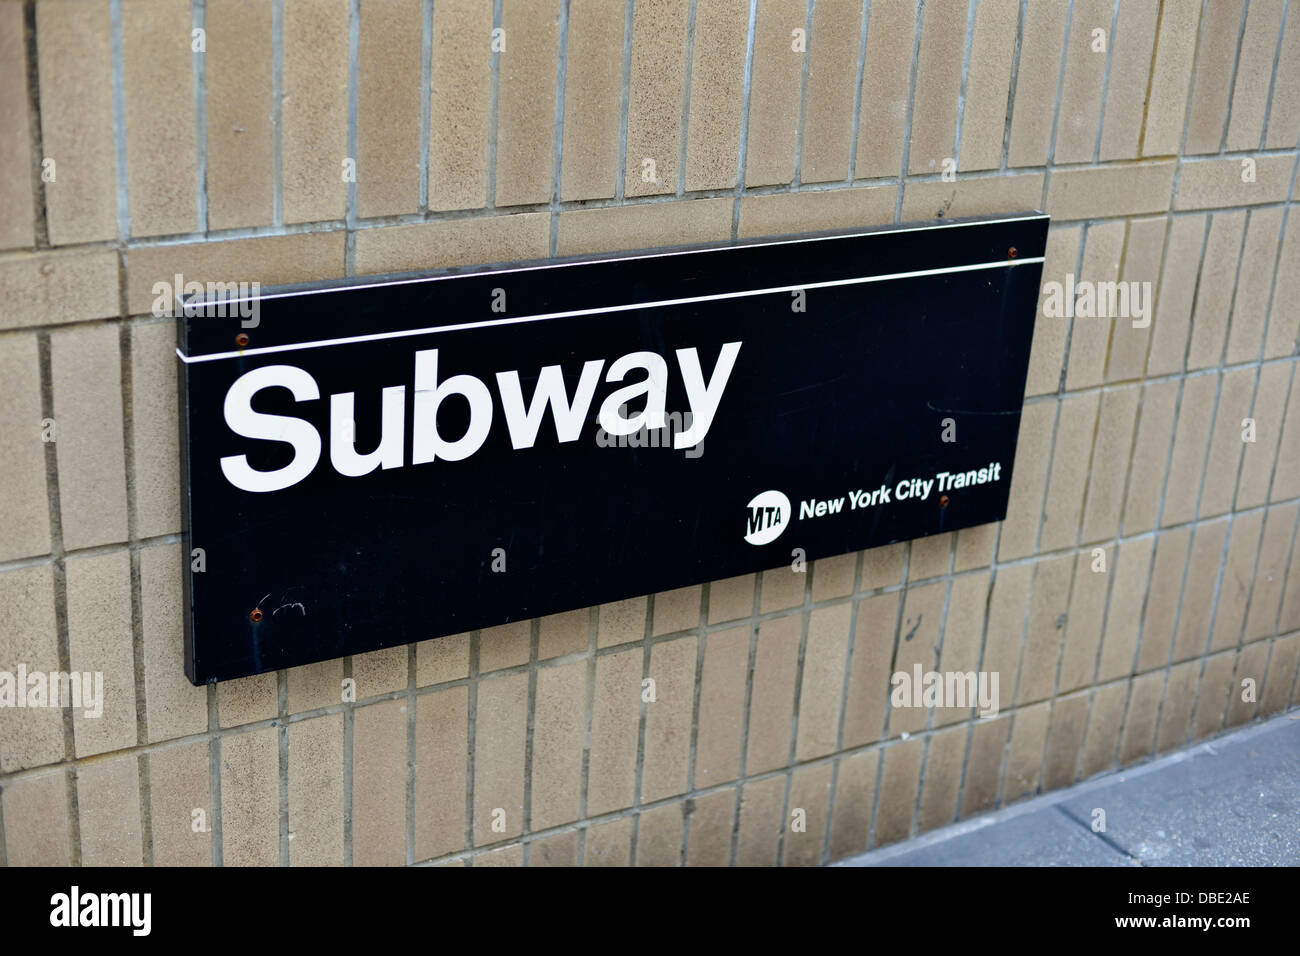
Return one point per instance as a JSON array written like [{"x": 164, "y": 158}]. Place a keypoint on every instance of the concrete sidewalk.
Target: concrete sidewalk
[{"x": 1230, "y": 801}]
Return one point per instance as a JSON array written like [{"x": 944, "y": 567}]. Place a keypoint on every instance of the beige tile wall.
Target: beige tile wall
[{"x": 615, "y": 124}]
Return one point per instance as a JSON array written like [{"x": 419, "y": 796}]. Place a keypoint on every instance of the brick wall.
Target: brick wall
[{"x": 771, "y": 689}]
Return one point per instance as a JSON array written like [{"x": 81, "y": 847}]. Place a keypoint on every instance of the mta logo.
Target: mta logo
[{"x": 768, "y": 514}]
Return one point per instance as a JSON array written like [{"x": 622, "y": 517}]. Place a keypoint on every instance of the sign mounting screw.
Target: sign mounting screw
[
  {"x": 255, "y": 615},
  {"x": 241, "y": 339}
]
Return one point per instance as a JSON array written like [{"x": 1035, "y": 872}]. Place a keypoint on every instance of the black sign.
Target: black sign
[{"x": 372, "y": 465}]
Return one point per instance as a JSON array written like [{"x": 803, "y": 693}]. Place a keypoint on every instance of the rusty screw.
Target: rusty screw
[
  {"x": 943, "y": 501},
  {"x": 1011, "y": 253},
  {"x": 241, "y": 339},
  {"x": 255, "y": 615}
]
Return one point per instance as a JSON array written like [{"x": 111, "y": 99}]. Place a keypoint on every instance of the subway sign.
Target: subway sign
[{"x": 369, "y": 465}]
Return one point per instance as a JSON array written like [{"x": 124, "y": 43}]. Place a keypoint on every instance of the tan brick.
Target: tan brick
[
  {"x": 1195, "y": 412},
  {"x": 158, "y": 91},
  {"x": 1008, "y": 607},
  {"x": 1028, "y": 479},
  {"x": 314, "y": 111},
  {"x": 677, "y": 610},
  {"x": 1176, "y": 711},
  {"x": 500, "y": 734},
  {"x": 1226, "y": 446},
  {"x": 379, "y": 784},
  {"x": 1162, "y": 599},
  {"x": 930, "y": 557},
  {"x": 1289, "y": 618},
  {"x": 1177, "y": 291},
  {"x": 312, "y": 686},
  {"x": 1257, "y": 457},
  {"x": 593, "y": 85},
  {"x": 918, "y": 646},
  {"x": 1171, "y": 77},
  {"x": 238, "y": 108},
  {"x": 1111, "y": 190},
  {"x": 988, "y": 80},
  {"x": 512, "y": 855},
  {"x": 29, "y": 636},
  {"x": 772, "y": 699},
  {"x": 1270, "y": 572},
  {"x": 882, "y": 567},
  {"x": 666, "y": 763},
  {"x": 962, "y": 634},
  {"x": 986, "y": 195},
  {"x": 390, "y": 63},
  {"x": 526, "y": 101},
  {"x": 1214, "y": 294},
  {"x": 566, "y": 633},
  {"x": 774, "y": 95},
  {"x": 1045, "y": 631},
  {"x": 762, "y": 821},
  {"x": 1105, "y": 494},
  {"x": 1214, "y": 184},
  {"x": 943, "y": 765},
  {"x": 988, "y": 744},
  {"x": 442, "y": 660},
  {"x": 834, "y": 577},
  {"x": 1252, "y": 661},
  {"x": 154, "y": 438},
  {"x": 899, "y": 780},
  {"x": 656, "y": 84},
  {"x": 615, "y": 723},
  {"x": 659, "y": 836},
  {"x": 86, "y": 366},
  {"x": 731, "y": 598},
  {"x": 1150, "y": 455},
  {"x": 828, "y": 99},
  {"x": 1047, "y": 354},
  {"x": 53, "y": 287},
  {"x": 975, "y": 547},
  {"x": 1131, "y": 338},
  {"x": 1254, "y": 281},
  {"x": 869, "y": 670},
  {"x": 558, "y": 850},
  {"x": 609, "y": 844},
  {"x": 74, "y": 46},
  {"x": 36, "y": 821},
  {"x": 722, "y": 706},
  {"x": 1216, "y": 686},
  {"x": 782, "y": 588},
  {"x": 316, "y": 791},
  {"x": 1139, "y": 728},
  {"x": 1064, "y": 506},
  {"x": 1277, "y": 684},
  {"x": 1042, "y": 43},
  {"x": 1064, "y": 741},
  {"x": 810, "y": 791},
  {"x": 779, "y": 214},
  {"x": 709, "y": 843},
  {"x": 180, "y": 782},
  {"x": 1199, "y": 590},
  {"x": 380, "y": 672},
  {"x": 1104, "y": 724},
  {"x": 559, "y": 734},
  {"x": 855, "y": 792},
  {"x": 1083, "y": 626},
  {"x": 250, "y": 798},
  {"x": 1126, "y": 86},
  {"x": 1237, "y": 577},
  {"x": 1025, "y": 753},
  {"x": 643, "y": 226},
  {"x": 1090, "y": 335},
  {"x": 24, "y": 511},
  {"x": 459, "y": 100},
  {"x": 1286, "y": 471},
  {"x": 1211, "y": 86},
  {"x": 108, "y": 809},
  {"x": 621, "y": 622},
  {"x": 1130, "y": 565},
  {"x": 1284, "y": 108},
  {"x": 173, "y": 706},
  {"x": 504, "y": 646},
  {"x": 1255, "y": 60},
  {"x": 823, "y": 674},
  {"x": 441, "y": 745},
  {"x": 717, "y": 94},
  {"x": 247, "y": 700},
  {"x": 99, "y": 639},
  {"x": 938, "y": 86},
  {"x": 1081, "y": 88},
  {"x": 16, "y": 227},
  {"x": 269, "y": 260},
  {"x": 457, "y": 242}
]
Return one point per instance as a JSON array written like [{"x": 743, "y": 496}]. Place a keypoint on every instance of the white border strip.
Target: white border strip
[{"x": 405, "y": 333}]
